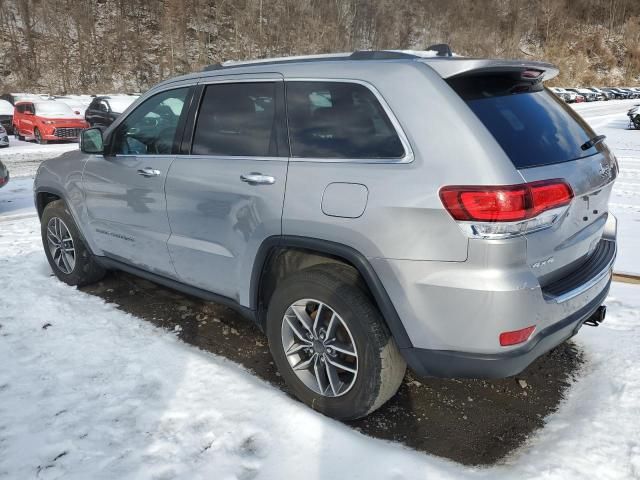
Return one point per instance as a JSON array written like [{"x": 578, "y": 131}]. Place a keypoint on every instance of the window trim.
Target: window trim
[{"x": 408, "y": 156}]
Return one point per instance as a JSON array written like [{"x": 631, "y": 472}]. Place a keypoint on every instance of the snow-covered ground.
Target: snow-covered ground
[
  {"x": 88, "y": 391},
  {"x": 23, "y": 158}
]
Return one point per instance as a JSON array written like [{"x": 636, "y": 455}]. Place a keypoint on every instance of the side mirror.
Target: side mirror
[{"x": 91, "y": 141}]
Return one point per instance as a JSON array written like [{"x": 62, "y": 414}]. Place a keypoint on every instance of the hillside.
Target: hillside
[{"x": 63, "y": 46}]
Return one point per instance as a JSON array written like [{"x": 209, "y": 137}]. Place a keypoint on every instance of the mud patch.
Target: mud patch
[{"x": 474, "y": 422}]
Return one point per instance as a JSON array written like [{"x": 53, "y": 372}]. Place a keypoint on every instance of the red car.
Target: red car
[{"x": 45, "y": 121}]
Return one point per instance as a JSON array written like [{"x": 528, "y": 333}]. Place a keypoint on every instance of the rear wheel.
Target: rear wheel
[
  {"x": 38, "y": 135},
  {"x": 16, "y": 133},
  {"x": 65, "y": 249},
  {"x": 330, "y": 343}
]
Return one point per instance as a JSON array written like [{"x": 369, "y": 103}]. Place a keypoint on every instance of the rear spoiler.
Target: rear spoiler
[{"x": 459, "y": 66}]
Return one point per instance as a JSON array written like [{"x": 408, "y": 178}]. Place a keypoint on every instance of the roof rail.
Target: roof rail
[
  {"x": 380, "y": 55},
  {"x": 440, "y": 50}
]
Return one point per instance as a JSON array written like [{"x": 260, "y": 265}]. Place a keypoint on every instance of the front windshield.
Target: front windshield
[{"x": 53, "y": 108}]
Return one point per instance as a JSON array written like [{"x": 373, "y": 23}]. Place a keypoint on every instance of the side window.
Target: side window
[
  {"x": 103, "y": 106},
  {"x": 239, "y": 119},
  {"x": 339, "y": 120},
  {"x": 28, "y": 107},
  {"x": 20, "y": 108},
  {"x": 151, "y": 128}
]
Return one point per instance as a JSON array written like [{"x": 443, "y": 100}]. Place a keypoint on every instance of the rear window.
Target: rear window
[
  {"x": 531, "y": 124},
  {"x": 339, "y": 120}
]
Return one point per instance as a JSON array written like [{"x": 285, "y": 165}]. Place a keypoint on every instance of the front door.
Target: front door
[
  {"x": 125, "y": 188},
  {"x": 225, "y": 197}
]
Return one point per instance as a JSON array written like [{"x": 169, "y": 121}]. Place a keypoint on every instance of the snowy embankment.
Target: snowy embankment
[{"x": 87, "y": 391}]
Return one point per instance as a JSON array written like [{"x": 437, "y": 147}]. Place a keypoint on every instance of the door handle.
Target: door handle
[
  {"x": 149, "y": 172},
  {"x": 257, "y": 179}
]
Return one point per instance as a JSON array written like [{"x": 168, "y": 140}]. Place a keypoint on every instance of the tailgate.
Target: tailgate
[
  {"x": 554, "y": 252},
  {"x": 545, "y": 139}
]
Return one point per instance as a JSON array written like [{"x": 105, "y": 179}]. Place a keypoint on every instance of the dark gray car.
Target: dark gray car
[
  {"x": 366, "y": 210},
  {"x": 4, "y": 174}
]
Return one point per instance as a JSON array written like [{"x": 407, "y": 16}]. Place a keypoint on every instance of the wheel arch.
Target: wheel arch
[
  {"x": 45, "y": 196},
  {"x": 269, "y": 266}
]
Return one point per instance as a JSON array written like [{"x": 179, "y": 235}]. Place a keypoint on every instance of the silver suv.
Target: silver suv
[{"x": 367, "y": 211}]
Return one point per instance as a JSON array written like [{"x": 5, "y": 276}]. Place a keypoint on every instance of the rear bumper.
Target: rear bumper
[
  {"x": 450, "y": 364},
  {"x": 454, "y": 312}
]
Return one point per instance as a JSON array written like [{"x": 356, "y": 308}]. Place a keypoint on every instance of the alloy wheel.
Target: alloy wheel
[
  {"x": 61, "y": 245},
  {"x": 319, "y": 347}
]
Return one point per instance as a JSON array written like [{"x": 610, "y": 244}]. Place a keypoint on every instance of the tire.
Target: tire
[
  {"x": 84, "y": 269},
  {"x": 379, "y": 366},
  {"x": 39, "y": 139},
  {"x": 16, "y": 133}
]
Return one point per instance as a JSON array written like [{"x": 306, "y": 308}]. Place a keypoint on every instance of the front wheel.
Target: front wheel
[
  {"x": 66, "y": 252},
  {"x": 38, "y": 135},
  {"x": 330, "y": 343}
]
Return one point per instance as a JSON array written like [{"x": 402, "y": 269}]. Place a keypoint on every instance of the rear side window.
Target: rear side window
[
  {"x": 20, "y": 108},
  {"x": 531, "y": 124},
  {"x": 240, "y": 119},
  {"x": 339, "y": 120}
]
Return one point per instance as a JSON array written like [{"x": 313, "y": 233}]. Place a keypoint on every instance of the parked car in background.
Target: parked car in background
[
  {"x": 103, "y": 110},
  {"x": 580, "y": 97},
  {"x": 562, "y": 93},
  {"x": 619, "y": 94},
  {"x": 633, "y": 94},
  {"x": 4, "y": 137},
  {"x": 6, "y": 115},
  {"x": 572, "y": 96},
  {"x": 44, "y": 121},
  {"x": 345, "y": 273},
  {"x": 588, "y": 95},
  {"x": 78, "y": 103},
  {"x": 601, "y": 94},
  {"x": 634, "y": 117},
  {"x": 4, "y": 174}
]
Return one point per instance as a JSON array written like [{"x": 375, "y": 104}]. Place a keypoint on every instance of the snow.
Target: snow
[
  {"x": 93, "y": 392},
  {"x": 23, "y": 158}
]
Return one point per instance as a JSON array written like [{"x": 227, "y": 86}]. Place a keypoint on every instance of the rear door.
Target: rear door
[
  {"x": 545, "y": 139},
  {"x": 124, "y": 189},
  {"x": 225, "y": 194}
]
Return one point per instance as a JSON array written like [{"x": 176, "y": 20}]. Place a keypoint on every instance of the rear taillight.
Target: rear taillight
[{"x": 500, "y": 211}]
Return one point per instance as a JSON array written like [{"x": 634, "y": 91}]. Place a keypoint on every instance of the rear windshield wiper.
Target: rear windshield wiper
[{"x": 593, "y": 142}]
